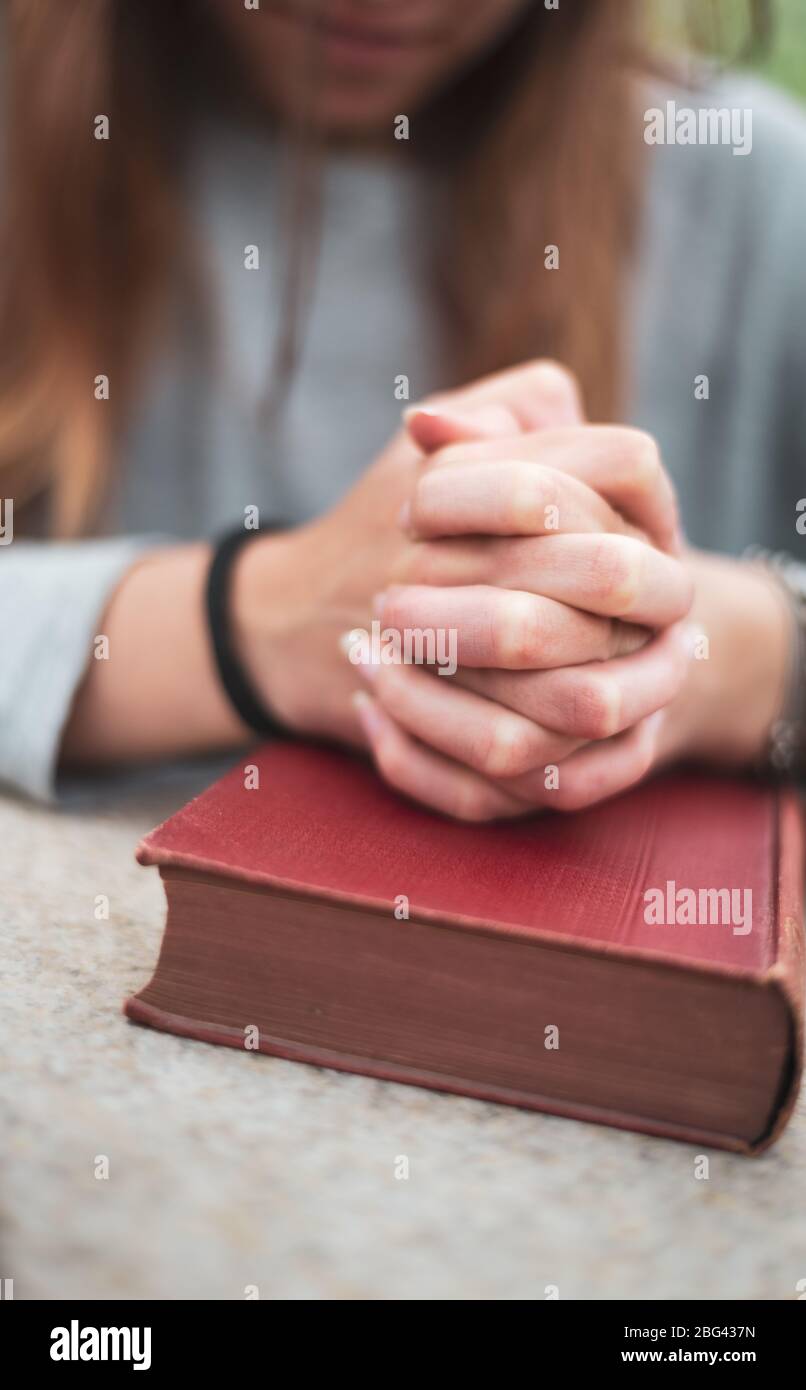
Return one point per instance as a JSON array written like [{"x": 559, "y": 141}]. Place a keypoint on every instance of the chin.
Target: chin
[
  {"x": 357, "y": 118},
  {"x": 347, "y": 99},
  {"x": 350, "y": 108}
]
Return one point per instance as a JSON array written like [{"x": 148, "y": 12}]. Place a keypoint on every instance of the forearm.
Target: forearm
[{"x": 157, "y": 692}]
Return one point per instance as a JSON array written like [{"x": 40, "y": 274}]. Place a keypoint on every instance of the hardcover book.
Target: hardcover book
[{"x": 639, "y": 964}]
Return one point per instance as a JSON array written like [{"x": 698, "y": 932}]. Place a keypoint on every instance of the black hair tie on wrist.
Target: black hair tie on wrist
[{"x": 241, "y": 692}]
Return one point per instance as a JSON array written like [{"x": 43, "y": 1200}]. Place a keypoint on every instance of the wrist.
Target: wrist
[
  {"x": 272, "y": 592},
  {"x": 738, "y": 677}
]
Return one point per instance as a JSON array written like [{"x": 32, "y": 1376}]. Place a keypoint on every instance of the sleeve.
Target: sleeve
[
  {"x": 788, "y": 739},
  {"x": 52, "y": 598}
]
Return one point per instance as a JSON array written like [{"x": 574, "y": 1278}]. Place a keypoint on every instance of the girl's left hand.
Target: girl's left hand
[
  {"x": 501, "y": 737},
  {"x": 554, "y": 617},
  {"x": 490, "y": 743}
]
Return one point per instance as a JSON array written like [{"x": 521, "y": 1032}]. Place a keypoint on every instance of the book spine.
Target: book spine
[{"x": 788, "y": 975}]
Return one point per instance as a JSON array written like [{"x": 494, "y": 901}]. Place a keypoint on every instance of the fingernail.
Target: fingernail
[
  {"x": 404, "y": 517},
  {"x": 348, "y": 640},
  {"x": 466, "y": 419},
  {"x": 367, "y": 712},
  {"x": 368, "y": 669},
  {"x": 412, "y": 410},
  {"x": 654, "y": 723}
]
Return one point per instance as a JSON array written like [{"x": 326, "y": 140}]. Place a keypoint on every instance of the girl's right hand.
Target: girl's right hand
[{"x": 297, "y": 593}]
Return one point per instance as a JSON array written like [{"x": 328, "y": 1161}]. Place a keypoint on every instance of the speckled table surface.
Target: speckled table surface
[{"x": 229, "y": 1169}]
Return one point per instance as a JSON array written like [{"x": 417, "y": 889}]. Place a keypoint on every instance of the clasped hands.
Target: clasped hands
[{"x": 553, "y": 549}]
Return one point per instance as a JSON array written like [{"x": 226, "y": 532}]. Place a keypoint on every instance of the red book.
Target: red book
[{"x": 639, "y": 964}]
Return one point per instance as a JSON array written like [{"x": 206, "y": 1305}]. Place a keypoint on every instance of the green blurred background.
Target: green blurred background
[
  {"x": 786, "y": 63},
  {"x": 723, "y": 28}
]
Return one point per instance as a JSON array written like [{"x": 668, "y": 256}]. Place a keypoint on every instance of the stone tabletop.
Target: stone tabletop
[{"x": 231, "y": 1171}]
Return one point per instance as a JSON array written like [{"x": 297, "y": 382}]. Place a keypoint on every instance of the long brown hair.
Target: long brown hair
[{"x": 538, "y": 146}]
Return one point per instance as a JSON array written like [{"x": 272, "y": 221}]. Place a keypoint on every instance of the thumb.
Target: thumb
[
  {"x": 432, "y": 427},
  {"x": 534, "y": 396}
]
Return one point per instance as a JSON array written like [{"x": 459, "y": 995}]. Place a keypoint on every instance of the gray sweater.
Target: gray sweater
[{"x": 718, "y": 290}]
